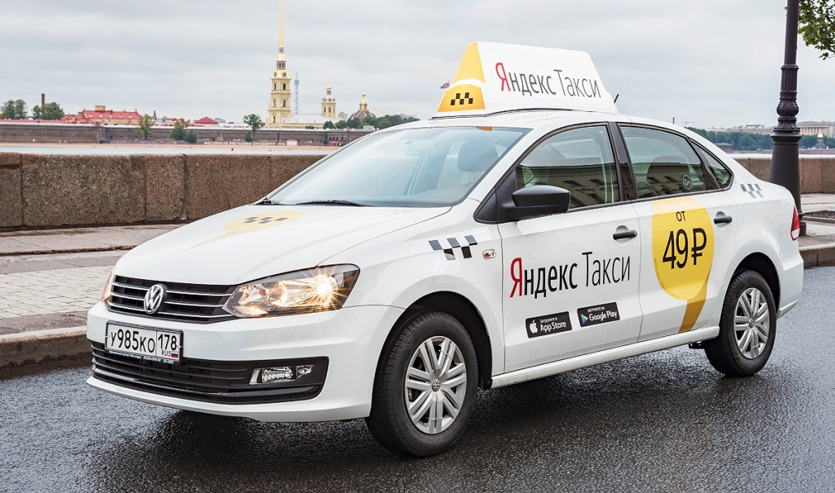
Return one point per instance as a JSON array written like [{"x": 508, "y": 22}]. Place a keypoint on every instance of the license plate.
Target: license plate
[{"x": 165, "y": 346}]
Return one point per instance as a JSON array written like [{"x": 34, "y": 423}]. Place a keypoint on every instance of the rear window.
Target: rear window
[{"x": 663, "y": 162}]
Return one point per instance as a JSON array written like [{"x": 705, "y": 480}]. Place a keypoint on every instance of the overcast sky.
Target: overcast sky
[{"x": 705, "y": 62}]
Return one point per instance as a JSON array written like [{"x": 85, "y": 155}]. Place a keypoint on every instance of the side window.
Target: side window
[
  {"x": 722, "y": 173},
  {"x": 664, "y": 163},
  {"x": 578, "y": 160}
]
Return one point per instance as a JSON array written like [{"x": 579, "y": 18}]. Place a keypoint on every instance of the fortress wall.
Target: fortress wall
[{"x": 91, "y": 134}]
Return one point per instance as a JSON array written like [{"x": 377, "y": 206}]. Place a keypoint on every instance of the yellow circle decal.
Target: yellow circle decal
[
  {"x": 682, "y": 247},
  {"x": 261, "y": 221}
]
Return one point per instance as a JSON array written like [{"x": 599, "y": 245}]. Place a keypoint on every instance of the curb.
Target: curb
[
  {"x": 43, "y": 346},
  {"x": 48, "y": 251},
  {"x": 818, "y": 255}
]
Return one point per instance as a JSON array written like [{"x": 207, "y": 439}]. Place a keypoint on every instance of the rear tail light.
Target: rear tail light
[{"x": 795, "y": 225}]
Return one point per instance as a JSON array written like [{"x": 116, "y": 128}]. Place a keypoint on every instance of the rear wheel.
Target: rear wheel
[
  {"x": 746, "y": 329},
  {"x": 426, "y": 386}
]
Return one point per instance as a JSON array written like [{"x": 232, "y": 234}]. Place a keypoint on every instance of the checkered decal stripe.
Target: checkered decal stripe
[
  {"x": 753, "y": 190},
  {"x": 453, "y": 244},
  {"x": 461, "y": 101}
]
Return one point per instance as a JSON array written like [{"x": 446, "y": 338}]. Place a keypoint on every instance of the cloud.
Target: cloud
[{"x": 712, "y": 63}]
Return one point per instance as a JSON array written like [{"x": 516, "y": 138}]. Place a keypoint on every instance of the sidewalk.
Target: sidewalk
[{"x": 49, "y": 279}]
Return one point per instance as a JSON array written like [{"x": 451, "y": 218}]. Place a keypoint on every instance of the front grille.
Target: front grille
[
  {"x": 201, "y": 303},
  {"x": 206, "y": 380}
]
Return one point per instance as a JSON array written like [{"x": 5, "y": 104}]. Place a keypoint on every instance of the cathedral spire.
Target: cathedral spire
[
  {"x": 281, "y": 60},
  {"x": 280, "y": 94},
  {"x": 281, "y": 28}
]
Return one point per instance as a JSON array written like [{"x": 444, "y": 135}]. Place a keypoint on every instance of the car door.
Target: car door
[
  {"x": 687, "y": 231},
  {"x": 570, "y": 280}
]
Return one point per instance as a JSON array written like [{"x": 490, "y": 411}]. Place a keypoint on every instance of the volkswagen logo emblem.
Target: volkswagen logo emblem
[{"x": 153, "y": 299}]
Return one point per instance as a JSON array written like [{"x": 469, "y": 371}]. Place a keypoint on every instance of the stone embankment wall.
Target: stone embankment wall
[
  {"x": 817, "y": 173},
  {"x": 40, "y": 133},
  {"x": 50, "y": 191}
]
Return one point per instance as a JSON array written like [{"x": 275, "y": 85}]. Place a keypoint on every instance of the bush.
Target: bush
[
  {"x": 248, "y": 136},
  {"x": 191, "y": 137}
]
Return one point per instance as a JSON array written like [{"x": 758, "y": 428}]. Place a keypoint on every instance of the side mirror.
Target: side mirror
[
  {"x": 542, "y": 196},
  {"x": 536, "y": 200}
]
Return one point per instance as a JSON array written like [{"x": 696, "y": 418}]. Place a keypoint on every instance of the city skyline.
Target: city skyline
[{"x": 209, "y": 59}]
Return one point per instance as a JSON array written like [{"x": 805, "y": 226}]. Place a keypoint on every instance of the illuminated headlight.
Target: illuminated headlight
[
  {"x": 305, "y": 291},
  {"x": 108, "y": 288}
]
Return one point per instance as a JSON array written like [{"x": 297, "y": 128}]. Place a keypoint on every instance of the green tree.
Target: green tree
[
  {"x": 248, "y": 136},
  {"x": 309, "y": 127},
  {"x": 341, "y": 124},
  {"x": 741, "y": 141},
  {"x": 179, "y": 131},
  {"x": 254, "y": 121},
  {"x": 369, "y": 120},
  {"x": 50, "y": 111},
  {"x": 817, "y": 25},
  {"x": 354, "y": 123},
  {"x": 145, "y": 124},
  {"x": 328, "y": 125},
  {"x": 13, "y": 110},
  {"x": 808, "y": 141},
  {"x": 325, "y": 139},
  {"x": 191, "y": 137}
]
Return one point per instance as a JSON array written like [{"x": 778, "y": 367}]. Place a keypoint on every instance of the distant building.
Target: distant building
[
  {"x": 363, "y": 112},
  {"x": 329, "y": 105},
  {"x": 827, "y": 129},
  {"x": 806, "y": 128},
  {"x": 103, "y": 116},
  {"x": 205, "y": 122},
  {"x": 751, "y": 129}
]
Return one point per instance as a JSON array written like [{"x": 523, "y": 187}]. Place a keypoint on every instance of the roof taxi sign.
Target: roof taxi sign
[{"x": 497, "y": 77}]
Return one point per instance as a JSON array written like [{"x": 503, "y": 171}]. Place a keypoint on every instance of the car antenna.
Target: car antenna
[{"x": 616, "y": 98}]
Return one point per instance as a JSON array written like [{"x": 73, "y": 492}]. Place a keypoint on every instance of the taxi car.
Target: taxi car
[{"x": 528, "y": 229}]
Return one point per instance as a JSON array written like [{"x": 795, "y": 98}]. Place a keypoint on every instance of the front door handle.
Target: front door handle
[
  {"x": 723, "y": 220},
  {"x": 621, "y": 235}
]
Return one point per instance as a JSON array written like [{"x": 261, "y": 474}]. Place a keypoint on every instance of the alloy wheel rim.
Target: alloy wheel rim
[
  {"x": 436, "y": 385},
  {"x": 751, "y": 323}
]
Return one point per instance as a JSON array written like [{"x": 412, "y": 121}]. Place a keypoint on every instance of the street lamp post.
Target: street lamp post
[{"x": 785, "y": 162}]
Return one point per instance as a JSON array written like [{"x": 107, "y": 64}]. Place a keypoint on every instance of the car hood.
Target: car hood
[{"x": 256, "y": 241}]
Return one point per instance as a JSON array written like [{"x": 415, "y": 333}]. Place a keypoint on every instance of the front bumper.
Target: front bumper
[{"x": 350, "y": 340}]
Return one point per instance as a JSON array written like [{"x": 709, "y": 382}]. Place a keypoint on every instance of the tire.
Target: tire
[
  {"x": 742, "y": 348},
  {"x": 452, "y": 387}
]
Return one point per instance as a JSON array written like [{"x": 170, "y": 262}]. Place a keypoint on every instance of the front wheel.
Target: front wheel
[
  {"x": 746, "y": 329},
  {"x": 426, "y": 387}
]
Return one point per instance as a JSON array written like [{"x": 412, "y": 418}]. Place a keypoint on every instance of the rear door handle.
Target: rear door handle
[
  {"x": 722, "y": 220},
  {"x": 625, "y": 234}
]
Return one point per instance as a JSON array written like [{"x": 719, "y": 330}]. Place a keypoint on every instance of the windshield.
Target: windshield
[{"x": 422, "y": 167}]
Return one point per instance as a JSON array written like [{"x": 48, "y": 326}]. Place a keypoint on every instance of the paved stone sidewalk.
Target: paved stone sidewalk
[{"x": 51, "y": 291}]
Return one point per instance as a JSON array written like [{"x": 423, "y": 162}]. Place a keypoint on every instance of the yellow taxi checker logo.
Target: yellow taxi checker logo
[
  {"x": 462, "y": 97},
  {"x": 261, "y": 221},
  {"x": 682, "y": 251}
]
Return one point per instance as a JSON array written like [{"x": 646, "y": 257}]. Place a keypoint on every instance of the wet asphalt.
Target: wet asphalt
[{"x": 660, "y": 422}]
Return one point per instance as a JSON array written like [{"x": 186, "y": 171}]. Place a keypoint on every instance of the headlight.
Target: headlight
[
  {"x": 304, "y": 291},
  {"x": 108, "y": 288}
]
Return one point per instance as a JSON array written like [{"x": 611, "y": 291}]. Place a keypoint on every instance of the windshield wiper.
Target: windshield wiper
[
  {"x": 331, "y": 202},
  {"x": 267, "y": 202}
]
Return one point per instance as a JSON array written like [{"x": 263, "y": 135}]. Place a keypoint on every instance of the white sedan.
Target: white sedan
[{"x": 398, "y": 276}]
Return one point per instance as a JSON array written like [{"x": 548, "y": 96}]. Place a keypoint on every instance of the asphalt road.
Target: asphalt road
[{"x": 660, "y": 422}]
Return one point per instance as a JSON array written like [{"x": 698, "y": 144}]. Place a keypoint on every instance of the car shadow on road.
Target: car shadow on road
[{"x": 667, "y": 413}]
